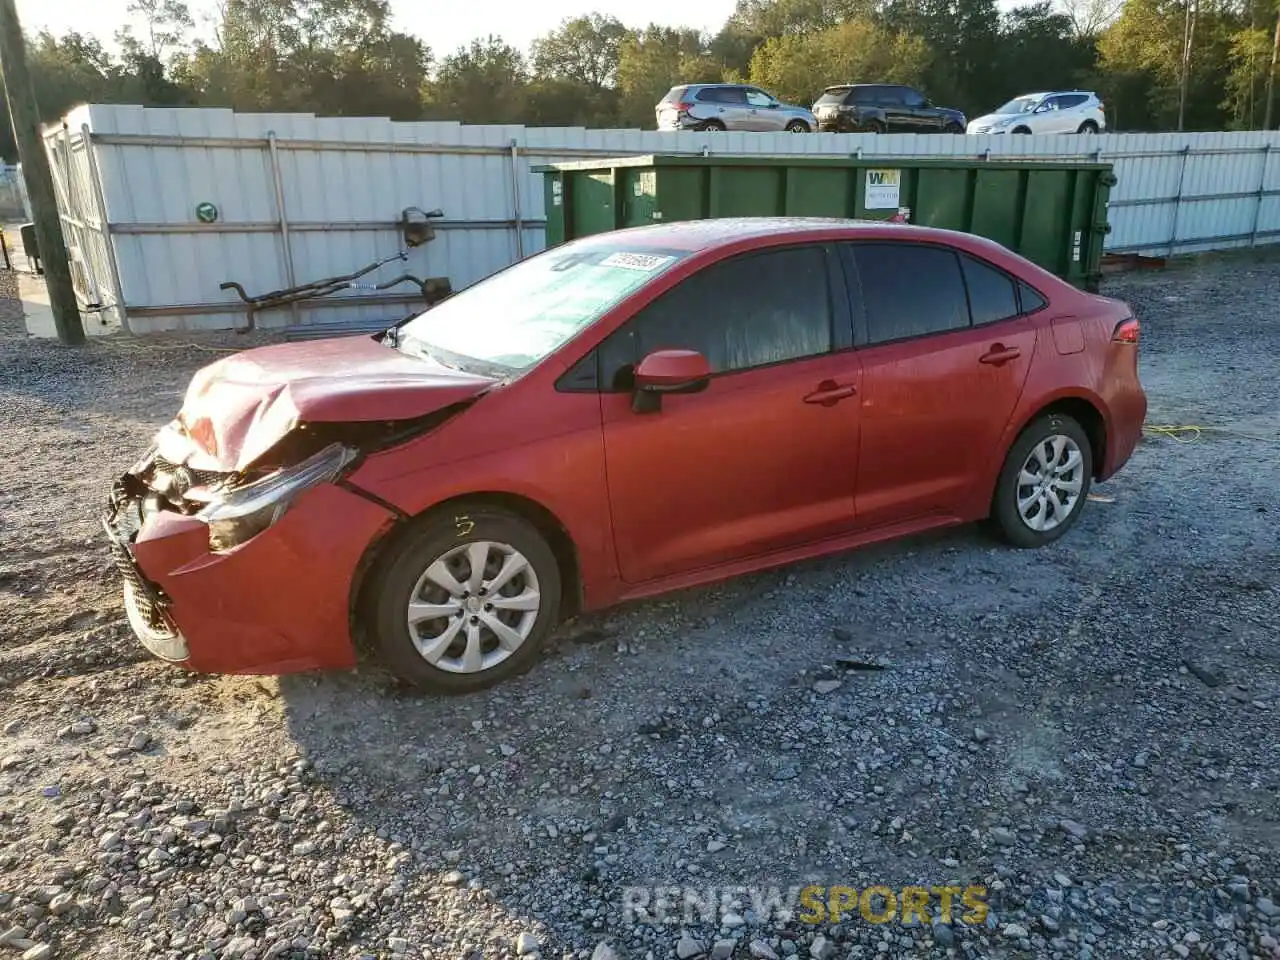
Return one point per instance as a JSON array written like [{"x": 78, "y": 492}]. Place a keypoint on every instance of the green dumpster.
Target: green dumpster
[{"x": 1054, "y": 213}]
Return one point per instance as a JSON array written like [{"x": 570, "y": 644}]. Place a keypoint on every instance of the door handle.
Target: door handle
[
  {"x": 999, "y": 354},
  {"x": 830, "y": 393}
]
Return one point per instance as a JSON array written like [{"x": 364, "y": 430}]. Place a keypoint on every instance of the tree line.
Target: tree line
[{"x": 1158, "y": 64}]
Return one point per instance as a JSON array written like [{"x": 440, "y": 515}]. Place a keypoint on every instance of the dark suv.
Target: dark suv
[{"x": 883, "y": 108}]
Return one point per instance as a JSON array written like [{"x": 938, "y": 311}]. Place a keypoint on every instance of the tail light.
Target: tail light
[
  {"x": 1102, "y": 107},
  {"x": 684, "y": 107},
  {"x": 1126, "y": 331}
]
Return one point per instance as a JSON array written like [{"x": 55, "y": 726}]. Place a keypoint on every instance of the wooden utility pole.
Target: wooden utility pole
[
  {"x": 1188, "y": 40},
  {"x": 35, "y": 170},
  {"x": 1271, "y": 77}
]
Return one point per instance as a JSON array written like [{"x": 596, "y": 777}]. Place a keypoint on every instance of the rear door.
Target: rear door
[
  {"x": 945, "y": 356},
  {"x": 726, "y": 104},
  {"x": 1068, "y": 112},
  {"x": 765, "y": 457}
]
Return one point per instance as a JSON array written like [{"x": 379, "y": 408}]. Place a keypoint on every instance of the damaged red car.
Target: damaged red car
[{"x": 623, "y": 415}]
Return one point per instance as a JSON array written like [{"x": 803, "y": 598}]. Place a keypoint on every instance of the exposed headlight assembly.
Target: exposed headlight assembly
[{"x": 235, "y": 516}]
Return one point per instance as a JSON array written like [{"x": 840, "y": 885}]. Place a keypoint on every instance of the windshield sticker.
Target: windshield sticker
[{"x": 636, "y": 261}]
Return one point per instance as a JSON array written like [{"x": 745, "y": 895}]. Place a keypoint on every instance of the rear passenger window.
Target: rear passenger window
[
  {"x": 1029, "y": 300},
  {"x": 992, "y": 295},
  {"x": 910, "y": 290}
]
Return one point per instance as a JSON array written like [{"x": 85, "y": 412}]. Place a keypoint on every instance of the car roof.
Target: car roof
[{"x": 698, "y": 235}]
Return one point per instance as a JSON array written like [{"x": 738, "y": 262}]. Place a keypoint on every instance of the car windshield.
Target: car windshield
[
  {"x": 511, "y": 320},
  {"x": 1020, "y": 105},
  {"x": 674, "y": 95}
]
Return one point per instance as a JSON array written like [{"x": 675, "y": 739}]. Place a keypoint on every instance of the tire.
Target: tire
[
  {"x": 1088, "y": 127},
  {"x": 464, "y": 640},
  {"x": 713, "y": 126},
  {"x": 1035, "y": 448},
  {"x": 953, "y": 128},
  {"x": 1022, "y": 130},
  {"x": 797, "y": 126},
  {"x": 870, "y": 126}
]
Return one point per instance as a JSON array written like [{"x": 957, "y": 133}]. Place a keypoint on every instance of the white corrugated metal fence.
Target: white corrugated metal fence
[{"x": 299, "y": 198}]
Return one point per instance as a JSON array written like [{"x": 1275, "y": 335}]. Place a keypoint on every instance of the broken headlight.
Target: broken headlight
[{"x": 237, "y": 515}]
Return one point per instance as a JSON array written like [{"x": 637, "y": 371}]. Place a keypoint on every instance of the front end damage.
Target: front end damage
[
  {"x": 146, "y": 605},
  {"x": 250, "y": 571}
]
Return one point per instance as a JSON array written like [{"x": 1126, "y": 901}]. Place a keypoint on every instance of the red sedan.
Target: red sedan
[{"x": 624, "y": 415}]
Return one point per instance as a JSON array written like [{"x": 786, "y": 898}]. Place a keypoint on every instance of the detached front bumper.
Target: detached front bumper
[{"x": 277, "y": 603}]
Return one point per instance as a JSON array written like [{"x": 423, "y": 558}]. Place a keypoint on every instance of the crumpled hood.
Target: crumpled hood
[{"x": 236, "y": 409}]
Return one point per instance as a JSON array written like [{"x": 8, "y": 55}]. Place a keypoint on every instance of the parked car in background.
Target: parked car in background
[
  {"x": 883, "y": 108},
  {"x": 626, "y": 414},
  {"x": 730, "y": 106},
  {"x": 1073, "y": 111}
]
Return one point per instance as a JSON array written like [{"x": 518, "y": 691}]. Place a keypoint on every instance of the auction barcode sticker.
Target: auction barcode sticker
[{"x": 636, "y": 261}]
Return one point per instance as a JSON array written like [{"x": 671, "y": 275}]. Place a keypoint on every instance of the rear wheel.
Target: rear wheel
[
  {"x": 953, "y": 128},
  {"x": 870, "y": 126},
  {"x": 713, "y": 126},
  {"x": 1044, "y": 482},
  {"x": 465, "y": 600},
  {"x": 797, "y": 126}
]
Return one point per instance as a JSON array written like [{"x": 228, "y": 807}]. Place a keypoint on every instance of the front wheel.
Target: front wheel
[
  {"x": 464, "y": 600},
  {"x": 1088, "y": 127},
  {"x": 1044, "y": 482}
]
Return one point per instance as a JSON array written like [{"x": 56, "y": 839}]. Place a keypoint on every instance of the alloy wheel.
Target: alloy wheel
[
  {"x": 1050, "y": 482},
  {"x": 473, "y": 607}
]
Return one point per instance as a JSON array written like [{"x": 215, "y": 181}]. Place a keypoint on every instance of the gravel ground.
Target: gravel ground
[{"x": 1089, "y": 732}]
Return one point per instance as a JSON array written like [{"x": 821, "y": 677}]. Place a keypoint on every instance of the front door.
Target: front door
[
  {"x": 899, "y": 118},
  {"x": 765, "y": 115},
  {"x": 946, "y": 359},
  {"x": 765, "y": 458}
]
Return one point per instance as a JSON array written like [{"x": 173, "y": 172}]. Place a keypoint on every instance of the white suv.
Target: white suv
[{"x": 1074, "y": 111}]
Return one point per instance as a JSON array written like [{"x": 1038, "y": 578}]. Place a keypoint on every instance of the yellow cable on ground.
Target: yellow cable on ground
[{"x": 1191, "y": 432}]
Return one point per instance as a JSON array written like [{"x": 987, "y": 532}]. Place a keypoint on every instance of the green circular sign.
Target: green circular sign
[{"x": 206, "y": 212}]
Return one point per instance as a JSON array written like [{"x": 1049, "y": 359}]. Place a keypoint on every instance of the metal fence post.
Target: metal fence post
[
  {"x": 1177, "y": 198},
  {"x": 287, "y": 241},
  {"x": 99, "y": 195},
  {"x": 515, "y": 197},
  {"x": 1262, "y": 192}
]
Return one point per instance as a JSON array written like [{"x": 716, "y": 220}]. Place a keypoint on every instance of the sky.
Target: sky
[{"x": 516, "y": 21}]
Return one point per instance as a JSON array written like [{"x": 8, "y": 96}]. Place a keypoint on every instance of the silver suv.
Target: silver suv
[{"x": 730, "y": 106}]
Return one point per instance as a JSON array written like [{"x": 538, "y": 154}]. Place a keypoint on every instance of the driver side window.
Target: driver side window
[{"x": 748, "y": 311}]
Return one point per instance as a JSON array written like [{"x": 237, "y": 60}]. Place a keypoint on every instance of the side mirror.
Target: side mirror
[
  {"x": 774, "y": 105},
  {"x": 668, "y": 371}
]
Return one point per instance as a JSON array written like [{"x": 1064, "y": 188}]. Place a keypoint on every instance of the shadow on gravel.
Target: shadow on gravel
[{"x": 726, "y": 736}]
